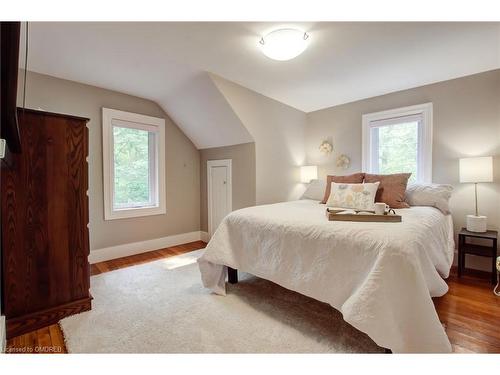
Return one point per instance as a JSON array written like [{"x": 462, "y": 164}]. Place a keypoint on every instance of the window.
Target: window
[
  {"x": 399, "y": 140},
  {"x": 134, "y": 164}
]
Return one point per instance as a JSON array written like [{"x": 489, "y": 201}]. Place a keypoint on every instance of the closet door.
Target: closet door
[{"x": 219, "y": 194}]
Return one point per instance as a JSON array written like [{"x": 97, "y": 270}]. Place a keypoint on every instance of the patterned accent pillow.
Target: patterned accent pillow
[
  {"x": 355, "y": 178},
  {"x": 355, "y": 196}
]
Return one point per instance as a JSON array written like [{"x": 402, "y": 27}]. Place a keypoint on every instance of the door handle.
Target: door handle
[{"x": 3, "y": 145}]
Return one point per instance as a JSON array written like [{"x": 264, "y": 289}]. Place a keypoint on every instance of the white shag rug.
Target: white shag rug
[{"x": 162, "y": 307}]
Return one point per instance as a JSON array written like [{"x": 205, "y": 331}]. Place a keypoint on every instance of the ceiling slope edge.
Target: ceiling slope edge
[{"x": 203, "y": 114}]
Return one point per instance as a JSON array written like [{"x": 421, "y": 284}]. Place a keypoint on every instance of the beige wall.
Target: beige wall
[
  {"x": 278, "y": 132},
  {"x": 182, "y": 160},
  {"x": 466, "y": 123},
  {"x": 243, "y": 176}
]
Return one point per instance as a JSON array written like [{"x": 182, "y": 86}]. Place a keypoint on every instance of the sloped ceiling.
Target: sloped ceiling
[
  {"x": 168, "y": 63},
  {"x": 122, "y": 57},
  {"x": 203, "y": 113}
]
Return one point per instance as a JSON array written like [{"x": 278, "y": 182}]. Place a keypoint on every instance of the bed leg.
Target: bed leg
[
  {"x": 232, "y": 275},
  {"x": 387, "y": 351}
]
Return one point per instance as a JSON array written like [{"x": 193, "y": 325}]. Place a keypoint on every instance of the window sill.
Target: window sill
[{"x": 134, "y": 212}]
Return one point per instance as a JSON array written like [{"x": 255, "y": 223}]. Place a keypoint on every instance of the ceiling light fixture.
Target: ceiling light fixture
[{"x": 284, "y": 44}]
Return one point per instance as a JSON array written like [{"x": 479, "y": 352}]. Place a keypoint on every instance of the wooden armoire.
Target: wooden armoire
[{"x": 45, "y": 267}]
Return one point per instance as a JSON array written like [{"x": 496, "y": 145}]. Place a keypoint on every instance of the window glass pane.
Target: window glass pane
[
  {"x": 132, "y": 167},
  {"x": 398, "y": 149}
]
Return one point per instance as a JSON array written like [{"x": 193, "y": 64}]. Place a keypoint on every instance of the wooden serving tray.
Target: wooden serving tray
[{"x": 332, "y": 215}]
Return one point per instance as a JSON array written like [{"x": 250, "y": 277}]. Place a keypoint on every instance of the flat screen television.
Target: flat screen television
[{"x": 9, "y": 62}]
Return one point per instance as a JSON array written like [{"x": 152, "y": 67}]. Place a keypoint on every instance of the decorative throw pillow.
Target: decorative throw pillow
[
  {"x": 356, "y": 196},
  {"x": 315, "y": 190},
  {"x": 392, "y": 188},
  {"x": 434, "y": 195},
  {"x": 355, "y": 178}
]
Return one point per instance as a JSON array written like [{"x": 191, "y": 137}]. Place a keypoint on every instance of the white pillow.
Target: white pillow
[
  {"x": 315, "y": 190},
  {"x": 434, "y": 195},
  {"x": 356, "y": 196}
]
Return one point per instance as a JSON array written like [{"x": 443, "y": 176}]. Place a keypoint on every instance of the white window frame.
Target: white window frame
[
  {"x": 424, "y": 163},
  {"x": 134, "y": 121}
]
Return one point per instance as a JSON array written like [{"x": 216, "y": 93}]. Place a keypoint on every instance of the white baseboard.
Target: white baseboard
[
  {"x": 3, "y": 336},
  {"x": 204, "y": 236},
  {"x": 119, "y": 251}
]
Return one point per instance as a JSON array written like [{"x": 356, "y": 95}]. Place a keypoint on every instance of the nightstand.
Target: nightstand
[{"x": 480, "y": 250}]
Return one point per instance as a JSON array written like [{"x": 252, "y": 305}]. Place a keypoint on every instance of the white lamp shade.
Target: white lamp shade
[
  {"x": 308, "y": 173},
  {"x": 478, "y": 169}
]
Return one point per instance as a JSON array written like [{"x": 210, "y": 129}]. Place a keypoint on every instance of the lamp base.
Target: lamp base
[{"x": 477, "y": 223}]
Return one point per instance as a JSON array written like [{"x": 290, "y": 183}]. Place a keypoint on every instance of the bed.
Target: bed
[{"x": 380, "y": 276}]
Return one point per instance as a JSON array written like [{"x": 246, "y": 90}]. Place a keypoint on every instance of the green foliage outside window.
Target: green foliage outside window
[
  {"x": 398, "y": 149},
  {"x": 131, "y": 167}
]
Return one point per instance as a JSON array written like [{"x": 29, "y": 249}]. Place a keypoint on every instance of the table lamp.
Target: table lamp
[
  {"x": 476, "y": 170},
  {"x": 308, "y": 173}
]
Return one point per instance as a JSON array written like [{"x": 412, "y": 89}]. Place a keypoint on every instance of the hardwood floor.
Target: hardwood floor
[
  {"x": 470, "y": 311},
  {"x": 134, "y": 260}
]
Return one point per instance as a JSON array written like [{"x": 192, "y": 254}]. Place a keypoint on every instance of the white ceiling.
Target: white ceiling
[{"x": 167, "y": 62}]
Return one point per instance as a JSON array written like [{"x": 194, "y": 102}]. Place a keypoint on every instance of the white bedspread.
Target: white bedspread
[{"x": 381, "y": 276}]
